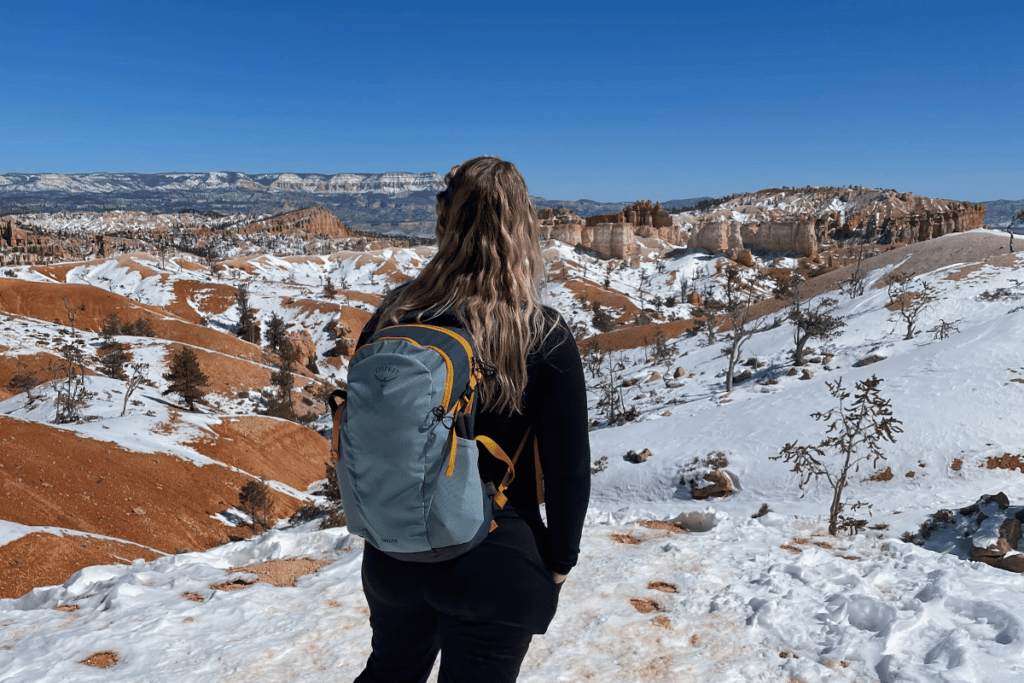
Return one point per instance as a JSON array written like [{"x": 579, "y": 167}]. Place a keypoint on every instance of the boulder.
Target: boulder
[
  {"x": 719, "y": 486},
  {"x": 807, "y": 374},
  {"x": 638, "y": 458},
  {"x": 678, "y": 372}
]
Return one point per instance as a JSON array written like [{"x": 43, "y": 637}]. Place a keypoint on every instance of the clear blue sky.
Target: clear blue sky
[{"x": 659, "y": 100}]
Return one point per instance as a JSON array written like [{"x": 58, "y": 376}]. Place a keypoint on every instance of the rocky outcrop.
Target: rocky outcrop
[
  {"x": 992, "y": 525},
  {"x": 305, "y": 347},
  {"x": 611, "y": 240},
  {"x": 313, "y": 221},
  {"x": 18, "y": 246},
  {"x": 799, "y": 220},
  {"x": 610, "y": 235}
]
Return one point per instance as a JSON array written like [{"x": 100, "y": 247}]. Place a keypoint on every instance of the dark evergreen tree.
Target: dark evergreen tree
[
  {"x": 248, "y": 325},
  {"x": 111, "y": 327},
  {"x": 186, "y": 377},
  {"x": 276, "y": 333},
  {"x": 279, "y": 398},
  {"x": 114, "y": 360},
  {"x": 329, "y": 291},
  {"x": 255, "y": 500}
]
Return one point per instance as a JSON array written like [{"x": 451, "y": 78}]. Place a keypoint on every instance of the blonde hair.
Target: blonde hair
[{"x": 488, "y": 272}]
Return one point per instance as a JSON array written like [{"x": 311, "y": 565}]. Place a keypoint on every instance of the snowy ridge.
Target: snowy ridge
[{"x": 312, "y": 183}]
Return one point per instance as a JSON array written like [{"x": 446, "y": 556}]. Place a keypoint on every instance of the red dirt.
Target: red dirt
[
  {"x": 634, "y": 337},
  {"x": 101, "y": 660},
  {"x": 644, "y": 606},
  {"x": 228, "y": 375},
  {"x": 249, "y": 442},
  {"x": 211, "y": 298},
  {"x": 54, "y": 477},
  {"x": 283, "y": 573},
  {"x": 42, "y": 559},
  {"x": 43, "y": 301},
  {"x": 587, "y": 293},
  {"x": 39, "y": 363}
]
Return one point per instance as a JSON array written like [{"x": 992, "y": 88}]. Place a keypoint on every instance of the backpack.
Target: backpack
[{"x": 404, "y": 444}]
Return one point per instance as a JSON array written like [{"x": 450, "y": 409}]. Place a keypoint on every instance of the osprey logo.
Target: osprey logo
[{"x": 384, "y": 374}]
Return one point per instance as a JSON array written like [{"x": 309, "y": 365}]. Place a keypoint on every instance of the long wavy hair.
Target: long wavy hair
[{"x": 488, "y": 272}]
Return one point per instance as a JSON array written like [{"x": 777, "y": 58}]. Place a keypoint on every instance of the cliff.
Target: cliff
[{"x": 800, "y": 220}]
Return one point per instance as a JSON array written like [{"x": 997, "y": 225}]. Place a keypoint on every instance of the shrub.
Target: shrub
[
  {"x": 254, "y": 500},
  {"x": 856, "y": 433}
]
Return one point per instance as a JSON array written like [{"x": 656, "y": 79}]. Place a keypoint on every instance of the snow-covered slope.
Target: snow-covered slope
[{"x": 771, "y": 598}]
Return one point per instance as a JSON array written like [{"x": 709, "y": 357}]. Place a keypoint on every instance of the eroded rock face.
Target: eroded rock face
[
  {"x": 612, "y": 236},
  {"x": 798, "y": 220},
  {"x": 305, "y": 347},
  {"x": 314, "y": 221}
]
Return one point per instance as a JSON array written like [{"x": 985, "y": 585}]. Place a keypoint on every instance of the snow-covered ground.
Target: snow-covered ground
[{"x": 771, "y": 598}]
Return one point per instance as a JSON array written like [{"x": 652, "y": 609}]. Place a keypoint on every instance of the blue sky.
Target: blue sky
[{"x": 658, "y": 100}]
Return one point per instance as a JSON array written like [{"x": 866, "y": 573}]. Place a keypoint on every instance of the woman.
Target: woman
[{"x": 481, "y": 609}]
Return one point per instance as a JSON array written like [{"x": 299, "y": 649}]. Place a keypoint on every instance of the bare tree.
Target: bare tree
[
  {"x": 739, "y": 297},
  {"x": 72, "y": 313},
  {"x": 854, "y": 284},
  {"x": 908, "y": 299},
  {"x": 857, "y": 431},
  {"x": 812, "y": 321},
  {"x": 134, "y": 380},
  {"x": 68, "y": 382}
]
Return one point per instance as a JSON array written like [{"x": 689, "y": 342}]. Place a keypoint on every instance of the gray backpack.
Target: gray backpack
[{"x": 404, "y": 445}]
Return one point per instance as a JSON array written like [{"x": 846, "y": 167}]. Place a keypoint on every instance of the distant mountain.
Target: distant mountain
[
  {"x": 384, "y": 202},
  {"x": 391, "y": 203},
  {"x": 1000, "y": 211}
]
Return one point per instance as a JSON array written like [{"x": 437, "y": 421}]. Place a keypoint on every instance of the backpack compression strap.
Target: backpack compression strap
[
  {"x": 336, "y": 402},
  {"x": 494, "y": 449}
]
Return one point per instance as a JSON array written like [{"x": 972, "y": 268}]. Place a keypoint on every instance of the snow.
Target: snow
[{"x": 767, "y": 598}]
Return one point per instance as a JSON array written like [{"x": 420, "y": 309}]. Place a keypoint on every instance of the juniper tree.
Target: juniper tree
[
  {"x": 68, "y": 381},
  {"x": 812, "y": 321},
  {"x": 113, "y": 361},
  {"x": 111, "y": 327},
  {"x": 186, "y": 378},
  {"x": 24, "y": 381},
  {"x": 279, "y": 398}
]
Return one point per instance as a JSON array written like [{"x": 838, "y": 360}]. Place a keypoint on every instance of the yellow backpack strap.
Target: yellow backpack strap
[
  {"x": 494, "y": 449},
  {"x": 540, "y": 474}
]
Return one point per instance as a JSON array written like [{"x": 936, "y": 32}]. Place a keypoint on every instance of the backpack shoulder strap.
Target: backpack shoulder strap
[{"x": 540, "y": 473}]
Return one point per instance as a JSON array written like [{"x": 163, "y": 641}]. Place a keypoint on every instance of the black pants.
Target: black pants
[{"x": 479, "y": 610}]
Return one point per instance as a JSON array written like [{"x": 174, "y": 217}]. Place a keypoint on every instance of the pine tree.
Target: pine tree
[
  {"x": 248, "y": 326},
  {"x": 275, "y": 333},
  {"x": 329, "y": 291},
  {"x": 185, "y": 378},
  {"x": 279, "y": 399}
]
